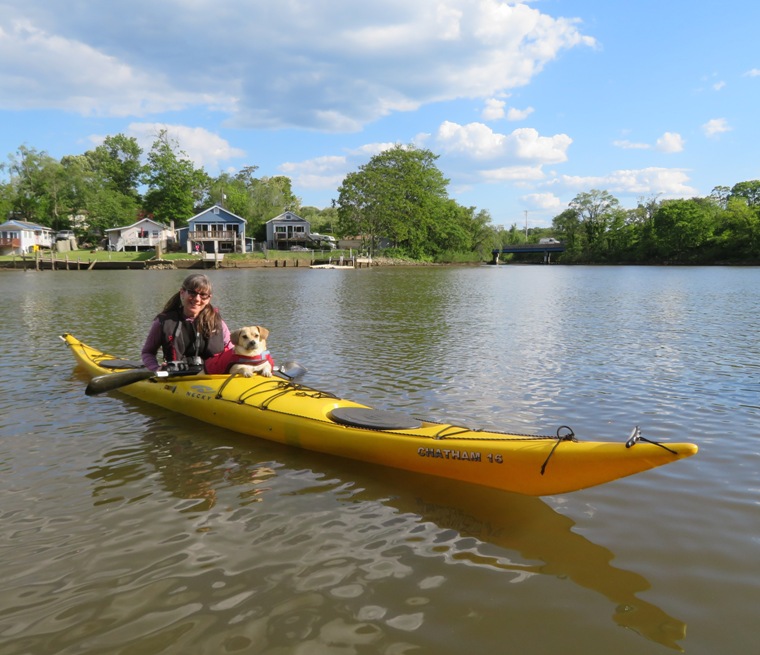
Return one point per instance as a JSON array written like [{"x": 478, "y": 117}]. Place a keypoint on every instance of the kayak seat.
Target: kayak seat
[{"x": 375, "y": 419}]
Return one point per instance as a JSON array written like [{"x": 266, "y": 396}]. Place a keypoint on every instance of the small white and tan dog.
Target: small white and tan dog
[{"x": 251, "y": 354}]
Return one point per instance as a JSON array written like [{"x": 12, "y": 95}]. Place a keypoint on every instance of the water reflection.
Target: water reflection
[{"x": 320, "y": 533}]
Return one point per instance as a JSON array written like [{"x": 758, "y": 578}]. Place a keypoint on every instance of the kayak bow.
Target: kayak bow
[{"x": 279, "y": 409}]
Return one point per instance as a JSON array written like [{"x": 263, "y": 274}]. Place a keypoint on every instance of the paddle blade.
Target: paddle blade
[
  {"x": 291, "y": 370},
  {"x": 111, "y": 381}
]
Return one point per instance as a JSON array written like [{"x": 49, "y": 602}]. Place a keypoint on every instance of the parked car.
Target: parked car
[
  {"x": 64, "y": 234},
  {"x": 548, "y": 241},
  {"x": 299, "y": 249}
]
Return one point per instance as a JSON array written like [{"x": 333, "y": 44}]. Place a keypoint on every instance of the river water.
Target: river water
[{"x": 127, "y": 529}]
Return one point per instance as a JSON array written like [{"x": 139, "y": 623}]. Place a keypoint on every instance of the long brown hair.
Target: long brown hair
[{"x": 209, "y": 320}]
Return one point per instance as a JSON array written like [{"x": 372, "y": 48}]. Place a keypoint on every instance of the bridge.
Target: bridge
[{"x": 546, "y": 248}]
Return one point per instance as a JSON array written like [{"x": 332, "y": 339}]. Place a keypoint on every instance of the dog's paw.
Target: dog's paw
[{"x": 266, "y": 371}]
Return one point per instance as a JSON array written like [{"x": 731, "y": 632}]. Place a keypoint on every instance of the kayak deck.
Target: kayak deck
[{"x": 289, "y": 413}]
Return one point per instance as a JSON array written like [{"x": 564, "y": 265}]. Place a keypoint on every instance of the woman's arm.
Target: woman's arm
[{"x": 151, "y": 346}]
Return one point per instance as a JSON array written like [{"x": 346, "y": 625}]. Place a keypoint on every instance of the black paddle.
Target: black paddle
[{"x": 111, "y": 381}]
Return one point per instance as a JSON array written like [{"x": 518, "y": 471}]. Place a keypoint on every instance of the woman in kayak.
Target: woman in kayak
[{"x": 189, "y": 329}]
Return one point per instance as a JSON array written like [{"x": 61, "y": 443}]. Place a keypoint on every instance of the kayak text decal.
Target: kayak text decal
[
  {"x": 462, "y": 455},
  {"x": 200, "y": 391}
]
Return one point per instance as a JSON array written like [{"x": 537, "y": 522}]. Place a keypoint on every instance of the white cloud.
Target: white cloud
[
  {"x": 513, "y": 174},
  {"x": 260, "y": 61},
  {"x": 546, "y": 201},
  {"x": 45, "y": 70},
  {"x": 669, "y": 142},
  {"x": 327, "y": 172},
  {"x": 716, "y": 126},
  {"x": 668, "y": 182},
  {"x": 519, "y": 114},
  {"x": 480, "y": 142},
  {"x": 754, "y": 72},
  {"x": 324, "y": 173},
  {"x": 202, "y": 147},
  {"x": 719, "y": 85},
  {"x": 494, "y": 109},
  {"x": 630, "y": 145}
]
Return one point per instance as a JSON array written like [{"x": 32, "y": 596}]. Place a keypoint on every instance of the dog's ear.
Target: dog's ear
[
  {"x": 235, "y": 336},
  {"x": 264, "y": 333}
]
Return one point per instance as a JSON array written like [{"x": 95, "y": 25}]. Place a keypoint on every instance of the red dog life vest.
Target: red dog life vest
[{"x": 222, "y": 363}]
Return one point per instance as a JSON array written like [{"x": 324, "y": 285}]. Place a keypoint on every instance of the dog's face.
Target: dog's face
[{"x": 250, "y": 340}]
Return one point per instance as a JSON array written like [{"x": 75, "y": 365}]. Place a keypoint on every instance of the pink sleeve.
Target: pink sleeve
[
  {"x": 151, "y": 346},
  {"x": 226, "y": 337}
]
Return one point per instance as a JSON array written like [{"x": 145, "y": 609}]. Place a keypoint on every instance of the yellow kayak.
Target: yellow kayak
[{"x": 282, "y": 410}]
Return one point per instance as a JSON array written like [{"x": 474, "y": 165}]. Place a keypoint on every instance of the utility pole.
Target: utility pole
[{"x": 526, "y": 226}]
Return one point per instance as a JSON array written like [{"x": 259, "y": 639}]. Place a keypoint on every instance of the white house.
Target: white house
[
  {"x": 146, "y": 234},
  {"x": 19, "y": 237}
]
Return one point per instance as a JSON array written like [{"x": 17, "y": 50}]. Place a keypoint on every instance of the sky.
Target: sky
[{"x": 526, "y": 104}]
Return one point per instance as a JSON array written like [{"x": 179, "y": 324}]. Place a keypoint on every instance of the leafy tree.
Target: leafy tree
[
  {"x": 256, "y": 200},
  {"x": 174, "y": 184},
  {"x": 484, "y": 236},
  {"x": 33, "y": 174},
  {"x": 720, "y": 195},
  {"x": 737, "y": 235},
  {"x": 750, "y": 191},
  {"x": 682, "y": 227},
  {"x": 116, "y": 164},
  {"x": 272, "y": 196},
  {"x": 567, "y": 226},
  {"x": 398, "y": 194},
  {"x": 6, "y": 199},
  {"x": 595, "y": 210}
]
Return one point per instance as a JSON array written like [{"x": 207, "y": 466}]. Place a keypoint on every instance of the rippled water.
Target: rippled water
[{"x": 127, "y": 529}]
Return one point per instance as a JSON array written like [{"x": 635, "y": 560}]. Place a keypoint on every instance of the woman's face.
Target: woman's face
[{"x": 193, "y": 302}]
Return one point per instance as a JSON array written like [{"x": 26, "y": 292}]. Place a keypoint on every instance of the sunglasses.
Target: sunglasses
[{"x": 193, "y": 294}]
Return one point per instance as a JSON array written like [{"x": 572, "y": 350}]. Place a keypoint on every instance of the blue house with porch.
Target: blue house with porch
[{"x": 214, "y": 230}]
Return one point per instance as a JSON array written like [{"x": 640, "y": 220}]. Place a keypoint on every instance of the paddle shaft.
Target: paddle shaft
[{"x": 112, "y": 381}]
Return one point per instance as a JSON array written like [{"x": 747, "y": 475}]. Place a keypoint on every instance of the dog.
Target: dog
[{"x": 251, "y": 354}]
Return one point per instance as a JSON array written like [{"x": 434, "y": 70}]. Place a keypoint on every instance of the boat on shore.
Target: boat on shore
[{"x": 283, "y": 410}]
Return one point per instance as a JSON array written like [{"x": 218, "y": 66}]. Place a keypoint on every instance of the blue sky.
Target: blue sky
[{"x": 527, "y": 104}]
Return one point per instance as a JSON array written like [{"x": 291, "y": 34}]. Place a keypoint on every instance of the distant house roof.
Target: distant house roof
[
  {"x": 142, "y": 220},
  {"x": 287, "y": 217},
  {"x": 24, "y": 225},
  {"x": 217, "y": 210}
]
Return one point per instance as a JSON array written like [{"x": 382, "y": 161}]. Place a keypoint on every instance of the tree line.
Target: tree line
[
  {"x": 721, "y": 228},
  {"x": 116, "y": 184},
  {"x": 397, "y": 204}
]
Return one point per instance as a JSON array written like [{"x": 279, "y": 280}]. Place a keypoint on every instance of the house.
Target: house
[
  {"x": 146, "y": 234},
  {"x": 19, "y": 237},
  {"x": 288, "y": 230},
  {"x": 214, "y": 230}
]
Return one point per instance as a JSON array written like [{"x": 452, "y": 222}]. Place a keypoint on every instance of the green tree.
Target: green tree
[
  {"x": 750, "y": 191},
  {"x": 567, "y": 227},
  {"x": 6, "y": 198},
  {"x": 682, "y": 227},
  {"x": 256, "y": 200},
  {"x": 34, "y": 176},
  {"x": 398, "y": 194},
  {"x": 174, "y": 184},
  {"x": 737, "y": 235},
  {"x": 116, "y": 164},
  {"x": 596, "y": 210}
]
